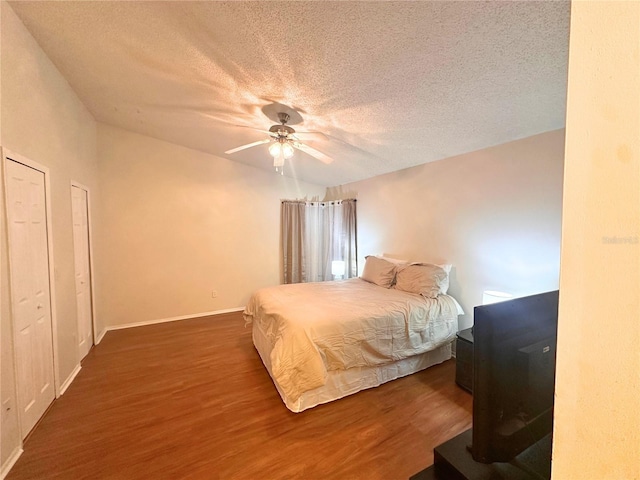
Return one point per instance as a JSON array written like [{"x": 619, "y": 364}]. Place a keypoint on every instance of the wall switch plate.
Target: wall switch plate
[{"x": 214, "y": 294}]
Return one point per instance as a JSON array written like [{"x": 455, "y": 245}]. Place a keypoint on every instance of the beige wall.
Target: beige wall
[
  {"x": 597, "y": 410},
  {"x": 495, "y": 214},
  {"x": 176, "y": 224},
  {"x": 43, "y": 120}
]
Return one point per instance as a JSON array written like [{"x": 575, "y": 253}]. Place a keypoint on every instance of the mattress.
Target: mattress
[
  {"x": 341, "y": 383},
  {"x": 329, "y": 339}
]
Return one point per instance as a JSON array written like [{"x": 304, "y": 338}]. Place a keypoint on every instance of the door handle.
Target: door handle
[{"x": 40, "y": 306}]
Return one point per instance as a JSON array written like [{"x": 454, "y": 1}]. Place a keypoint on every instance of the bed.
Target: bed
[{"x": 323, "y": 341}]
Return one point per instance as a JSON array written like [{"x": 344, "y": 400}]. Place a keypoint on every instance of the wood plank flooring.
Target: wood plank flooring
[{"x": 192, "y": 400}]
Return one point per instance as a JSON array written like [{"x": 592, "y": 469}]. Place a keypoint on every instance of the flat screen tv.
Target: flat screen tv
[{"x": 514, "y": 358}]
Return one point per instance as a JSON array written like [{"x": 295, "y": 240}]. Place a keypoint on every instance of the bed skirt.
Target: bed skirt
[{"x": 341, "y": 383}]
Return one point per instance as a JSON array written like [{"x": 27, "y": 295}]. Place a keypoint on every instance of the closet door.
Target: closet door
[
  {"x": 82, "y": 270},
  {"x": 30, "y": 291}
]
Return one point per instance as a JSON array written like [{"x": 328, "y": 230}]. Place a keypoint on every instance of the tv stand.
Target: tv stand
[{"x": 453, "y": 461}]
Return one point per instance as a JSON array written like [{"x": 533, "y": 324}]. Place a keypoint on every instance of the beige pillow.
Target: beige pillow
[
  {"x": 395, "y": 261},
  {"x": 378, "y": 271},
  {"x": 423, "y": 279}
]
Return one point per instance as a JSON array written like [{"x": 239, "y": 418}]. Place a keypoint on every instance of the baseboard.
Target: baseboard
[
  {"x": 11, "y": 461},
  {"x": 70, "y": 378},
  {"x": 172, "y": 319},
  {"x": 101, "y": 336}
]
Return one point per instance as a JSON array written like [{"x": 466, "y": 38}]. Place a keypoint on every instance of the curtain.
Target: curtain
[
  {"x": 292, "y": 221},
  {"x": 349, "y": 243},
  {"x": 315, "y": 234}
]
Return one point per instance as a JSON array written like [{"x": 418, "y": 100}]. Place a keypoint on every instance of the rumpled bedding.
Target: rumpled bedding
[{"x": 318, "y": 327}]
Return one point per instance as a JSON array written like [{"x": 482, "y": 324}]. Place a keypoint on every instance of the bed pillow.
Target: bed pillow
[
  {"x": 395, "y": 261},
  {"x": 379, "y": 271},
  {"x": 422, "y": 279},
  {"x": 444, "y": 286}
]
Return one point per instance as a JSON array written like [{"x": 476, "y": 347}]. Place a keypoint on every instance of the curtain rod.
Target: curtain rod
[{"x": 320, "y": 201}]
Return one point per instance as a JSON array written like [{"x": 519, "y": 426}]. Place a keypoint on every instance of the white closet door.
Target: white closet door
[
  {"x": 30, "y": 291},
  {"x": 83, "y": 272}
]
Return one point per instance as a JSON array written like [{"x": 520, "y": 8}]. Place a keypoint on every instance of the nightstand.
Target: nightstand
[{"x": 464, "y": 359}]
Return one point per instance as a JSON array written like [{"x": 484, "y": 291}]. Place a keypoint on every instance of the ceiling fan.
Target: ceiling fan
[{"x": 284, "y": 140}]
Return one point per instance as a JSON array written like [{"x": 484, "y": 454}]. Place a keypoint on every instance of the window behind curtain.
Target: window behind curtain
[{"x": 313, "y": 235}]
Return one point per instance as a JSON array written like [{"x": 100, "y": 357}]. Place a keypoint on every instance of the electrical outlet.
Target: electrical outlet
[
  {"x": 6, "y": 406},
  {"x": 214, "y": 294}
]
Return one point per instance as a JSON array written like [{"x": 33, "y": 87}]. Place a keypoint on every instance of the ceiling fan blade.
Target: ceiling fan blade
[
  {"x": 311, "y": 135},
  {"x": 248, "y": 145},
  {"x": 313, "y": 152},
  {"x": 255, "y": 129}
]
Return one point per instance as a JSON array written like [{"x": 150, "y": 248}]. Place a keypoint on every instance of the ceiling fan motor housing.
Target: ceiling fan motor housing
[{"x": 282, "y": 130}]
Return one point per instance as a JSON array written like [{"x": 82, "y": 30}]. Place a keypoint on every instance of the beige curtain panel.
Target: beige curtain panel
[{"x": 292, "y": 226}]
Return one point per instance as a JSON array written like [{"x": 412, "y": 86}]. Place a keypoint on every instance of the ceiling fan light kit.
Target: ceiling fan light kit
[
  {"x": 283, "y": 142},
  {"x": 280, "y": 150}
]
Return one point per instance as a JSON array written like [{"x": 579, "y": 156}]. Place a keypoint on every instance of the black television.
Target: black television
[{"x": 514, "y": 357}]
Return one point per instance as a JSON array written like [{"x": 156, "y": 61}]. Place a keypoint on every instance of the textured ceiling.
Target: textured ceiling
[{"x": 392, "y": 84}]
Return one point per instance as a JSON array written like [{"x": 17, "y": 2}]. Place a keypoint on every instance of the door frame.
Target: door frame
[
  {"x": 8, "y": 155},
  {"x": 90, "y": 240}
]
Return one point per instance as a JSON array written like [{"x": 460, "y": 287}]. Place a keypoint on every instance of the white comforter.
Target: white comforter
[{"x": 318, "y": 327}]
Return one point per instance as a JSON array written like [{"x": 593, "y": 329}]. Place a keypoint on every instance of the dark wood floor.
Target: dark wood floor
[{"x": 192, "y": 400}]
